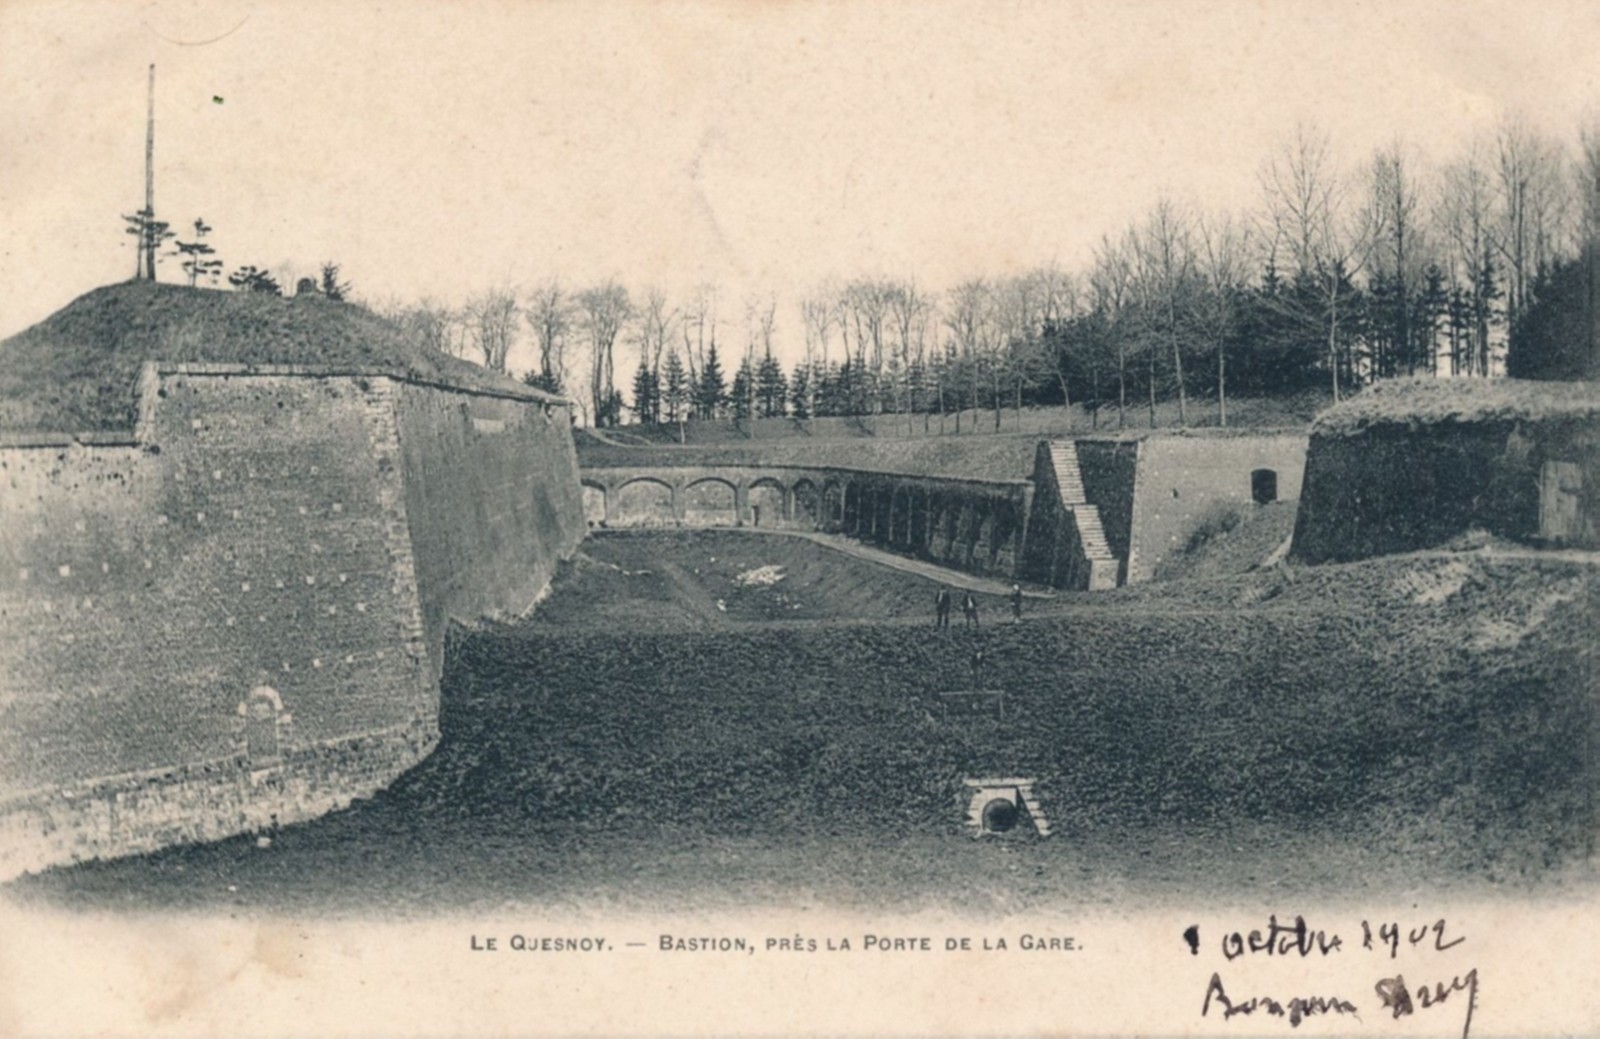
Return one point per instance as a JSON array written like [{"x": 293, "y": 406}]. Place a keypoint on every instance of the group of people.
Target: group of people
[{"x": 969, "y": 607}]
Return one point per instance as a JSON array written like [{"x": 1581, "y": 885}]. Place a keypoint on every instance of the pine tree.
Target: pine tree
[
  {"x": 151, "y": 234},
  {"x": 743, "y": 390},
  {"x": 250, "y": 279},
  {"x": 674, "y": 388},
  {"x": 332, "y": 287},
  {"x": 712, "y": 391},
  {"x": 771, "y": 387},
  {"x": 542, "y": 381},
  {"x": 646, "y": 394},
  {"x": 196, "y": 252},
  {"x": 800, "y": 391}
]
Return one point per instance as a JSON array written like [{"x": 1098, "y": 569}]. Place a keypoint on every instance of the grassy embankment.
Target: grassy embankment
[{"x": 1417, "y": 720}]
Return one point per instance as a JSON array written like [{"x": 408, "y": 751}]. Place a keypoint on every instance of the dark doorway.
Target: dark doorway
[{"x": 1264, "y": 486}]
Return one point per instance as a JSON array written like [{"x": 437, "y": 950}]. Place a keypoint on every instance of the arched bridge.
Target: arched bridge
[{"x": 973, "y": 524}]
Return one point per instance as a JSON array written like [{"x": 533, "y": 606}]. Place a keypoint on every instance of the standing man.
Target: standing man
[
  {"x": 941, "y": 609},
  {"x": 1016, "y": 603},
  {"x": 969, "y": 609}
]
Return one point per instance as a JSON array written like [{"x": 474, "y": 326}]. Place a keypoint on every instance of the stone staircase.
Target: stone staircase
[
  {"x": 1091, "y": 533},
  {"x": 1069, "y": 476}
]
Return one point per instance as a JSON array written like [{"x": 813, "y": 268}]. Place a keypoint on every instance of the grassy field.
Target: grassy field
[
  {"x": 1371, "y": 729},
  {"x": 1243, "y": 413}
]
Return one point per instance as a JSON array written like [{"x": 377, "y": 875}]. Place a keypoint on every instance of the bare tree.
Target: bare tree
[
  {"x": 866, "y": 301},
  {"x": 491, "y": 319},
  {"x": 1586, "y": 179},
  {"x": 1110, "y": 286},
  {"x": 657, "y": 325},
  {"x": 1465, "y": 215},
  {"x": 549, "y": 314},
  {"x": 1058, "y": 304},
  {"x": 967, "y": 319},
  {"x": 699, "y": 329},
  {"x": 603, "y": 311},
  {"x": 909, "y": 310},
  {"x": 1398, "y": 253},
  {"x": 1224, "y": 254},
  {"x": 1305, "y": 206},
  {"x": 1533, "y": 211},
  {"x": 817, "y": 313},
  {"x": 428, "y": 323},
  {"x": 1164, "y": 271}
]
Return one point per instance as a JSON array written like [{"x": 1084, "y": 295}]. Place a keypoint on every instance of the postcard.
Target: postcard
[{"x": 712, "y": 518}]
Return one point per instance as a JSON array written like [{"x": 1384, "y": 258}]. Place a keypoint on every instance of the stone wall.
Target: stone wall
[
  {"x": 298, "y": 533},
  {"x": 493, "y": 502},
  {"x": 973, "y": 525},
  {"x": 1151, "y": 491},
  {"x": 1182, "y": 480},
  {"x": 1397, "y": 487},
  {"x": 1109, "y": 466}
]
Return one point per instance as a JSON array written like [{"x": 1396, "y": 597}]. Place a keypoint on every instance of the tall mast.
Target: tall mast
[{"x": 150, "y": 181}]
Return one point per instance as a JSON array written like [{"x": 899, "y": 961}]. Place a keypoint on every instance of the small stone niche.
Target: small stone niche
[{"x": 265, "y": 729}]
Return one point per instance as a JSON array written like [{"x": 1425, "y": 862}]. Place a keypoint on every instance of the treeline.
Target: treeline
[{"x": 1341, "y": 274}]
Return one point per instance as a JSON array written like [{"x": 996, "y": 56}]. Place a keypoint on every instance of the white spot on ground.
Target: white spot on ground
[
  {"x": 761, "y": 576},
  {"x": 1431, "y": 587}
]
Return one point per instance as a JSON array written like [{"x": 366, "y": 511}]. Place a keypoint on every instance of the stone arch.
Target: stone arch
[
  {"x": 880, "y": 503},
  {"x": 947, "y": 528},
  {"x": 833, "y": 503},
  {"x": 765, "y": 500},
  {"x": 898, "y": 520},
  {"x": 808, "y": 504},
  {"x": 594, "y": 503},
  {"x": 710, "y": 501},
  {"x": 643, "y": 501},
  {"x": 918, "y": 510},
  {"x": 974, "y": 547},
  {"x": 852, "y": 508},
  {"x": 1002, "y": 531},
  {"x": 262, "y": 725}
]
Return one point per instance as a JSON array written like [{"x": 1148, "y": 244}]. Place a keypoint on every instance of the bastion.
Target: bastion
[
  {"x": 1413, "y": 464},
  {"x": 233, "y": 532}
]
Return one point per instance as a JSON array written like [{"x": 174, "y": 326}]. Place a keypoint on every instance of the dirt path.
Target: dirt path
[{"x": 932, "y": 571}]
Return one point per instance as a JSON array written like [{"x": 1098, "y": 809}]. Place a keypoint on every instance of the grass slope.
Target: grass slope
[
  {"x": 76, "y": 371},
  {"x": 1421, "y": 402},
  {"x": 973, "y": 458},
  {"x": 653, "y": 580},
  {"x": 1365, "y": 729}
]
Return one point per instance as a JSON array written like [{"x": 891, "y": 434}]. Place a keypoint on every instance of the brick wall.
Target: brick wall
[{"x": 259, "y": 533}]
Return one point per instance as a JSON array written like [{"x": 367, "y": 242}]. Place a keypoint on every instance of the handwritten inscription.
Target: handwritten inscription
[{"x": 1299, "y": 940}]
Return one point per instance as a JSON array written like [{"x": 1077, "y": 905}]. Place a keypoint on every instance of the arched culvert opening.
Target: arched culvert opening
[{"x": 1000, "y": 815}]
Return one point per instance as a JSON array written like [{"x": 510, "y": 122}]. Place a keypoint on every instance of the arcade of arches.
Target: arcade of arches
[{"x": 973, "y": 525}]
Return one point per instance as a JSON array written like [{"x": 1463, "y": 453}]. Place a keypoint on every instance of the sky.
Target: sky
[{"x": 438, "y": 149}]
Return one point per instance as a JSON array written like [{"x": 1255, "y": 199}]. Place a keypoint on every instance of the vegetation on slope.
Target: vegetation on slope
[
  {"x": 1418, "y": 403},
  {"x": 77, "y": 370}
]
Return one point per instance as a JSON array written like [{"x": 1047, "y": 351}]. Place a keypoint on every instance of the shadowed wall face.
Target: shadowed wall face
[
  {"x": 492, "y": 501},
  {"x": 1395, "y": 488}
]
